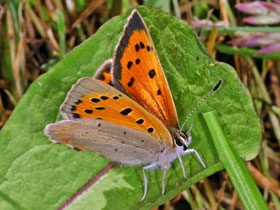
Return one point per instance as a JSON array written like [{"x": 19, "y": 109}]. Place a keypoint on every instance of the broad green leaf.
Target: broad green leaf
[{"x": 37, "y": 174}]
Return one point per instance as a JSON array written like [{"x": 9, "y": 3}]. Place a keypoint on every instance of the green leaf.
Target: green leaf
[{"x": 48, "y": 174}]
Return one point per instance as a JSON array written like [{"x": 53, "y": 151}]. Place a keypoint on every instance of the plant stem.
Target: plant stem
[
  {"x": 232, "y": 30},
  {"x": 240, "y": 177}
]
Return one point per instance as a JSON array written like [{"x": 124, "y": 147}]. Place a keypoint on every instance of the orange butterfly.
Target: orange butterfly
[{"x": 133, "y": 121}]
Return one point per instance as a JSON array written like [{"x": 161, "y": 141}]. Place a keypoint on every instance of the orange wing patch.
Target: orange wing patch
[
  {"x": 123, "y": 112},
  {"x": 138, "y": 71},
  {"x": 90, "y": 98}
]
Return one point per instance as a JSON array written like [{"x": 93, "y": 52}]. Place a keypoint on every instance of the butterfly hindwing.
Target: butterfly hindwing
[
  {"x": 120, "y": 144},
  {"x": 91, "y": 98},
  {"x": 103, "y": 73},
  {"x": 138, "y": 72}
]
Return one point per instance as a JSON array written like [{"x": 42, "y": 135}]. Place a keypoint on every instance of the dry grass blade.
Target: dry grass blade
[
  {"x": 272, "y": 184},
  {"x": 91, "y": 7}
]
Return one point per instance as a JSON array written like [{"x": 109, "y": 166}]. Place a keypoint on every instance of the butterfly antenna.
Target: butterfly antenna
[{"x": 202, "y": 100}]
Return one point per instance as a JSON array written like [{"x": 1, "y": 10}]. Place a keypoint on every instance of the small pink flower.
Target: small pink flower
[
  {"x": 208, "y": 23},
  {"x": 272, "y": 6},
  {"x": 269, "y": 42},
  {"x": 271, "y": 18},
  {"x": 254, "y": 8},
  {"x": 264, "y": 12},
  {"x": 273, "y": 48}
]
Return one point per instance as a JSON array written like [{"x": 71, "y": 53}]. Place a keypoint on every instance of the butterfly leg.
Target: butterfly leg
[
  {"x": 198, "y": 156},
  {"x": 145, "y": 178},
  {"x": 182, "y": 165}
]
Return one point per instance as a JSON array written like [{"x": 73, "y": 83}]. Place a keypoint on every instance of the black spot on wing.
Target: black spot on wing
[
  {"x": 101, "y": 76},
  {"x": 99, "y": 108},
  {"x": 140, "y": 121},
  {"x": 104, "y": 97},
  {"x": 131, "y": 82},
  {"x": 142, "y": 45},
  {"x": 137, "y": 48},
  {"x": 75, "y": 115},
  {"x": 152, "y": 73},
  {"x": 150, "y": 130},
  {"x": 95, "y": 100},
  {"x": 78, "y": 102},
  {"x": 158, "y": 92},
  {"x": 137, "y": 61},
  {"x": 73, "y": 108},
  {"x": 129, "y": 64},
  {"x": 88, "y": 111},
  {"x": 126, "y": 111}
]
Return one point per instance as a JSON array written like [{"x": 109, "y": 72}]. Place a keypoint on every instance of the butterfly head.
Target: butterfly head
[{"x": 182, "y": 140}]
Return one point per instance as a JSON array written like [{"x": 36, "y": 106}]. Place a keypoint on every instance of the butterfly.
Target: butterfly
[{"x": 126, "y": 112}]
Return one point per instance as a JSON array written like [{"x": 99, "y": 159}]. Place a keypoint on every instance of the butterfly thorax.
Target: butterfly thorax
[
  {"x": 170, "y": 152},
  {"x": 166, "y": 157}
]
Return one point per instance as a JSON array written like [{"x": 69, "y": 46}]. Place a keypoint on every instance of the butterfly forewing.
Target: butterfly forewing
[
  {"x": 91, "y": 98},
  {"x": 120, "y": 144},
  {"x": 137, "y": 70}
]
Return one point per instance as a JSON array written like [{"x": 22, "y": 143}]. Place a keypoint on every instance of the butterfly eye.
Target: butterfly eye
[
  {"x": 178, "y": 142},
  {"x": 181, "y": 139}
]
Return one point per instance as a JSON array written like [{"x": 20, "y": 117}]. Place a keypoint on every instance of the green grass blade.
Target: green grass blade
[
  {"x": 230, "y": 50},
  {"x": 176, "y": 8},
  {"x": 232, "y": 30},
  {"x": 240, "y": 177},
  {"x": 61, "y": 32}
]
